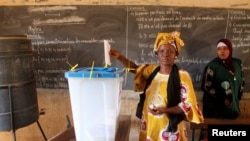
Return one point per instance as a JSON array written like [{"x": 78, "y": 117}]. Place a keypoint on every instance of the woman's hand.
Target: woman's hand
[
  {"x": 164, "y": 110},
  {"x": 156, "y": 110},
  {"x": 125, "y": 61},
  {"x": 114, "y": 53}
]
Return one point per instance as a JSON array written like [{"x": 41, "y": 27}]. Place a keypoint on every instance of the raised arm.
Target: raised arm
[{"x": 125, "y": 61}]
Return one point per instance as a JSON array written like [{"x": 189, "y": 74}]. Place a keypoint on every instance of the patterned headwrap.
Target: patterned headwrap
[{"x": 172, "y": 38}]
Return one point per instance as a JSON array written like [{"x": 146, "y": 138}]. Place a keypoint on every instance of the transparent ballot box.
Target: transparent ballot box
[{"x": 95, "y": 96}]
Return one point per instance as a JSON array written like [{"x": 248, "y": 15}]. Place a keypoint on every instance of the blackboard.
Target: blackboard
[{"x": 75, "y": 34}]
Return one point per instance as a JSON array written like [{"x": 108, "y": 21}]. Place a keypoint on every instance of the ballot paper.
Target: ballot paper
[{"x": 106, "y": 52}]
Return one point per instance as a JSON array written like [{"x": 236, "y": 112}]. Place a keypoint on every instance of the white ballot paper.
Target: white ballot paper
[{"x": 106, "y": 52}]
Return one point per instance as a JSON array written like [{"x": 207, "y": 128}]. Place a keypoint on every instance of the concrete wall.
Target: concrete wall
[{"x": 245, "y": 4}]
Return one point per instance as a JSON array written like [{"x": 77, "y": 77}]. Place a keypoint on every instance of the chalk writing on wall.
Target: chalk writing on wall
[{"x": 75, "y": 34}]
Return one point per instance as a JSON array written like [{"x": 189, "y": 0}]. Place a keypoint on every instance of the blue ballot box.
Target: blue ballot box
[{"x": 95, "y": 95}]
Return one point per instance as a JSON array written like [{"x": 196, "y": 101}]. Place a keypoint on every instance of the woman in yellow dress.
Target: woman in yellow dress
[{"x": 170, "y": 97}]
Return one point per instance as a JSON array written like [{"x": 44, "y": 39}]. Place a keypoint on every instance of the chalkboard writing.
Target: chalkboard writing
[{"x": 68, "y": 35}]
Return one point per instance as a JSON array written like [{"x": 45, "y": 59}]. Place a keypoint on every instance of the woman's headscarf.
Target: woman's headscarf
[
  {"x": 227, "y": 63},
  {"x": 172, "y": 38}
]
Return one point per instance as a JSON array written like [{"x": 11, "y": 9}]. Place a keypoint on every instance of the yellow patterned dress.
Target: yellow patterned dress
[{"x": 153, "y": 127}]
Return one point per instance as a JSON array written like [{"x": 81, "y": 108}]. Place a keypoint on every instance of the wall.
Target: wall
[
  {"x": 56, "y": 101},
  {"x": 194, "y": 3},
  {"x": 56, "y": 105}
]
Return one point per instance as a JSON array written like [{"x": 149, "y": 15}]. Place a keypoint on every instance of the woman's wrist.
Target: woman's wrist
[{"x": 119, "y": 56}]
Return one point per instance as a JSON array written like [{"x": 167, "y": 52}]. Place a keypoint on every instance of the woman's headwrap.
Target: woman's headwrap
[
  {"x": 227, "y": 63},
  {"x": 172, "y": 38}
]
